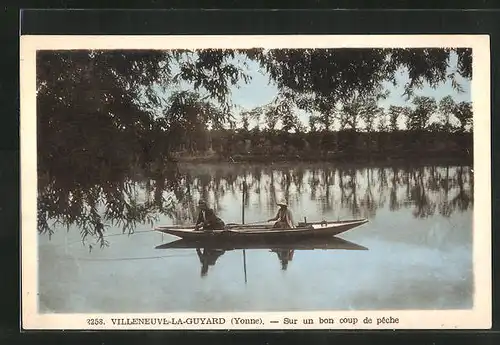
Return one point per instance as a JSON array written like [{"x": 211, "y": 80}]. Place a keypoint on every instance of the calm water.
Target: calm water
[{"x": 419, "y": 241}]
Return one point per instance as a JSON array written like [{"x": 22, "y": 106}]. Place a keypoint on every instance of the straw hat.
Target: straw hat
[{"x": 282, "y": 202}]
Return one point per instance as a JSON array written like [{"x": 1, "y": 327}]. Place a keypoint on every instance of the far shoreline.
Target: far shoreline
[{"x": 411, "y": 160}]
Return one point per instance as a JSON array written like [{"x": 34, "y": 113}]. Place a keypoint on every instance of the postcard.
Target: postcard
[{"x": 255, "y": 182}]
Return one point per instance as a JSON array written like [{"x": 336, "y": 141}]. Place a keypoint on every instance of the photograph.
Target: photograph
[{"x": 323, "y": 181}]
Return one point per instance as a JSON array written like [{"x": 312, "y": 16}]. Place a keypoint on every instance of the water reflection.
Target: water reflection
[
  {"x": 143, "y": 196},
  {"x": 208, "y": 257},
  {"x": 209, "y": 252},
  {"x": 285, "y": 256},
  {"x": 361, "y": 191}
]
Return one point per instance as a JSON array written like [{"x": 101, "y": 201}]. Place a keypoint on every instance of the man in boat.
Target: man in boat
[
  {"x": 207, "y": 218},
  {"x": 284, "y": 219}
]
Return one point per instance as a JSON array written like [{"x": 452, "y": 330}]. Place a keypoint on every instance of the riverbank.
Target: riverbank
[
  {"x": 344, "y": 159},
  {"x": 336, "y": 147}
]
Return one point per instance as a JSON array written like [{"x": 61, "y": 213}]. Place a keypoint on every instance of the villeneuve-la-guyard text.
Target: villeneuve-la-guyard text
[{"x": 169, "y": 321}]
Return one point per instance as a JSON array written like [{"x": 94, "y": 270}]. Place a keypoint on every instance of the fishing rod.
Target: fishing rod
[
  {"x": 244, "y": 223},
  {"x": 121, "y": 234},
  {"x": 132, "y": 258},
  {"x": 154, "y": 230}
]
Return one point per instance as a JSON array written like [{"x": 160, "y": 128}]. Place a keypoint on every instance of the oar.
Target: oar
[{"x": 252, "y": 223}]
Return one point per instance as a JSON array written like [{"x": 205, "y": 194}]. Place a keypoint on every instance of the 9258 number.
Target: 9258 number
[{"x": 95, "y": 322}]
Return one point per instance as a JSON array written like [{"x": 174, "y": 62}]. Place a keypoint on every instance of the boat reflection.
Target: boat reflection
[{"x": 209, "y": 251}]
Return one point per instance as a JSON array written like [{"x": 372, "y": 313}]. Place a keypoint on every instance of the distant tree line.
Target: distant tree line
[{"x": 365, "y": 130}]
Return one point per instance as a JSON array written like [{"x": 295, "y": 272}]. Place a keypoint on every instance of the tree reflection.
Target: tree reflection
[
  {"x": 132, "y": 198},
  {"x": 418, "y": 195},
  {"x": 328, "y": 182},
  {"x": 119, "y": 200},
  {"x": 383, "y": 185},
  {"x": 368, "y": 203},
  {"x": 349, "y": 191},
  {"x": 463, "y": 199},
  {"x": 394, "y": 204}
]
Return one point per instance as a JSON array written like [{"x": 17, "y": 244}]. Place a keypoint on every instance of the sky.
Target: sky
[{"x": 260, "y": 91}]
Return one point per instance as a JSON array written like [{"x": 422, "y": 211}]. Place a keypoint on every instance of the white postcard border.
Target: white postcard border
[{"x": 477, "y": 318}]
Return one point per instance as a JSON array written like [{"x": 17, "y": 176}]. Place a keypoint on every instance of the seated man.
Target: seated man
[
  {"x": 284, "y": 217},
  {"x": 207, "y": 218}
]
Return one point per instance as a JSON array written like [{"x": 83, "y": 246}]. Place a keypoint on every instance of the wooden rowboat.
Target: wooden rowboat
[{"x": 266, "y": 231}]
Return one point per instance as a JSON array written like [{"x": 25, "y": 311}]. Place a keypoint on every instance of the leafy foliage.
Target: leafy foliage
[
  {"x": 212, "y": 70},
  {"x": 317, "y": 78},
  {"x": 463, "y": 112},
  {"x": 418, "y": 118},
  {"x": 383, "y": 125},
  {"x": 102, "y": 113},
  {"x": 186, "y": 119},
  {"x": 394, "y": 113},
  {"x": 97, "y": 117},
  {"x": 446, "y": 108}
]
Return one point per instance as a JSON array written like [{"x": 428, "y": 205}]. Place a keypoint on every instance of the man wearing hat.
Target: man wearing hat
[
  {"x": 283, "y": 217},
  {"x": 207, "y": 218}
]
